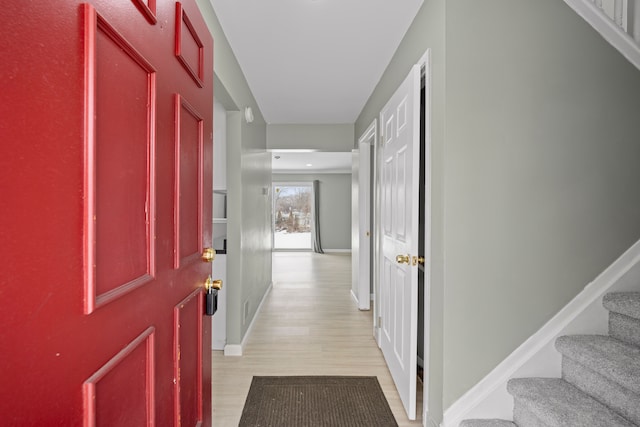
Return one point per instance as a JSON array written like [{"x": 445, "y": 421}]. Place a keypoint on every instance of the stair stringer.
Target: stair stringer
[
  {"x": 537, "y": 356},
  {"x": 617, "y": 37}
]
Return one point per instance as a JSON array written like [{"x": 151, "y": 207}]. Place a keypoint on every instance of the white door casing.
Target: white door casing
[
  {"x": 400, "y": 163},
  {"x": 364, "y": 230}
]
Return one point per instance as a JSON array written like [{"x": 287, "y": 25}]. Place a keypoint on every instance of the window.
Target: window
[{"x": 292, "y": 216}]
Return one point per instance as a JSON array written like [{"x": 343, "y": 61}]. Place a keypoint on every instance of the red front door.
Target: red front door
[{"x": 105, "y": 209}]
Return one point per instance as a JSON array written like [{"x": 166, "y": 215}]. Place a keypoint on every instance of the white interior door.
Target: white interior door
[{"x": 400, "y": 151}]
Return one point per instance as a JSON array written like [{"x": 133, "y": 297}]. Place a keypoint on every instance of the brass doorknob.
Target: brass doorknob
[
  {"x": 212, "y": 284},
  {"x": 417, "y": 260},
  {"x": 403, "y": 259},
  {"x": 208, "y": 254}
]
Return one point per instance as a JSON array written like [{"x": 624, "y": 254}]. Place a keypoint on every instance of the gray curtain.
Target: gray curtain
[{"x": 317, "y": 246}]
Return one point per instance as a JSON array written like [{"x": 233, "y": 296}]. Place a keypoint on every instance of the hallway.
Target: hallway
[{"x": 308, "y": 325}]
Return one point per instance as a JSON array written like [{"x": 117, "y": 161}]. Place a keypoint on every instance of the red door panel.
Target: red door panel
[
  {"x": 148, "y": 9},
  {"x": 189, "y": 47},
  {"x": 121, "y": 93},
  {"x": 100, "y": 325},
  {"x": 187, "y": 355},
  {"x": 107, "y": 403},
  {"x": 188, "y": 207}
]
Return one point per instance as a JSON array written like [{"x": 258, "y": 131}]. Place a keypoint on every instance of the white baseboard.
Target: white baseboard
[
  {"x": 238, "y": 349},
  {"x": 354, "y": 297},
  {"x": 336, "y": 251},
  {"x": 233, "y": 350},
  {"x": 537, "y": 356}
]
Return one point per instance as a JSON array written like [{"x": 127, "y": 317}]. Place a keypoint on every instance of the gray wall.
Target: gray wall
[
  {"x": 335, "y": 206},
  {"x": 248, "y": 172},
  {"x": 254, "y": 222},
  {"x": 230, "y": 85},
  {"x": 331, "y": 137},
  {"x": 542, "y": 157},
  {"x": 535, "y": 169}
]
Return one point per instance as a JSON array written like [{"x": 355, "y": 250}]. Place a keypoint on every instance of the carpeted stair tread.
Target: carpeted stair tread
[
  {"x": 557, "y": 403},
  {"x": 627, "y": 303},
  {"x": 486, "y": 423},
  {"x": 611, "y": 358}
]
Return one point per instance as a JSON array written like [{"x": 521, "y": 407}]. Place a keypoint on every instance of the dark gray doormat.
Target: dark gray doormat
[{"x": 315, "y": 402}]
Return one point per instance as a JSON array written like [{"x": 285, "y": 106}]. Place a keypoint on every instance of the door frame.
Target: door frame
[
  {"x": 366, "y": 216},
  {"x": 426, "y": 77}
]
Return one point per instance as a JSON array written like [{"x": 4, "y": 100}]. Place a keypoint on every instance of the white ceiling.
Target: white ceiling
[
  {"x": 314, "y": 61},
  {"x": 320, "y": 162}
]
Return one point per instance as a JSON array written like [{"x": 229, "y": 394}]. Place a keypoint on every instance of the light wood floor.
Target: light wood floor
[{"x": 308, "y": 325}]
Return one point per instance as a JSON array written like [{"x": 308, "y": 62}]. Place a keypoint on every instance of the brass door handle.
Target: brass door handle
[
  {"x": 212, "y": 284},
  {"x": 208, "y": 254},
  {"x": 417, "y": 260},
  {"x": 403, "y": 259}
]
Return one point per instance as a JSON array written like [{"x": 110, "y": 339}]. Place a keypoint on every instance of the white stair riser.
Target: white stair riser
[
  {"x": 624, "y": 328},
  {"x": 524, "y": 418}
]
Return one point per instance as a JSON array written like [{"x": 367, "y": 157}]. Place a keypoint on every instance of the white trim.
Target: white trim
[
  {"x": 355, "y": 300},
  {"x": 354, "y": 297},
  {"x": 364, "y": 230},
  {"x": 425, "y": 64},
  {"x": 238, "y": 349},
  {"x": 336, "y": 251},
  {"x": 371, "y": 134},
  {"x": 622, "y": 41},
  {"x": 233, "y": 350},
  {"x": 537, "y": 355}
]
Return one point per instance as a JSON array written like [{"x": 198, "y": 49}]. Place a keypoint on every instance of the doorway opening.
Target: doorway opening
[
  {"x": 408, "y": 382},
  {"x": 292, "y": 216}
]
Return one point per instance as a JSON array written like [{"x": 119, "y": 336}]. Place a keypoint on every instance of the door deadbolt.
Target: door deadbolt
[{"x": 208, "y": 254}]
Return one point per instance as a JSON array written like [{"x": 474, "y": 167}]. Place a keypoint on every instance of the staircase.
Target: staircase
[
  {"x": 618, "y": 21},
  {"x": 600, "y": 384}
]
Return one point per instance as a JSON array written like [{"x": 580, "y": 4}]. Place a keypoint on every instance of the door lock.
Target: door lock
[
  {"x": 417, "y": 260},
  {"x": 208, "y": 254},
  {"x": 211, "y": 288}
]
